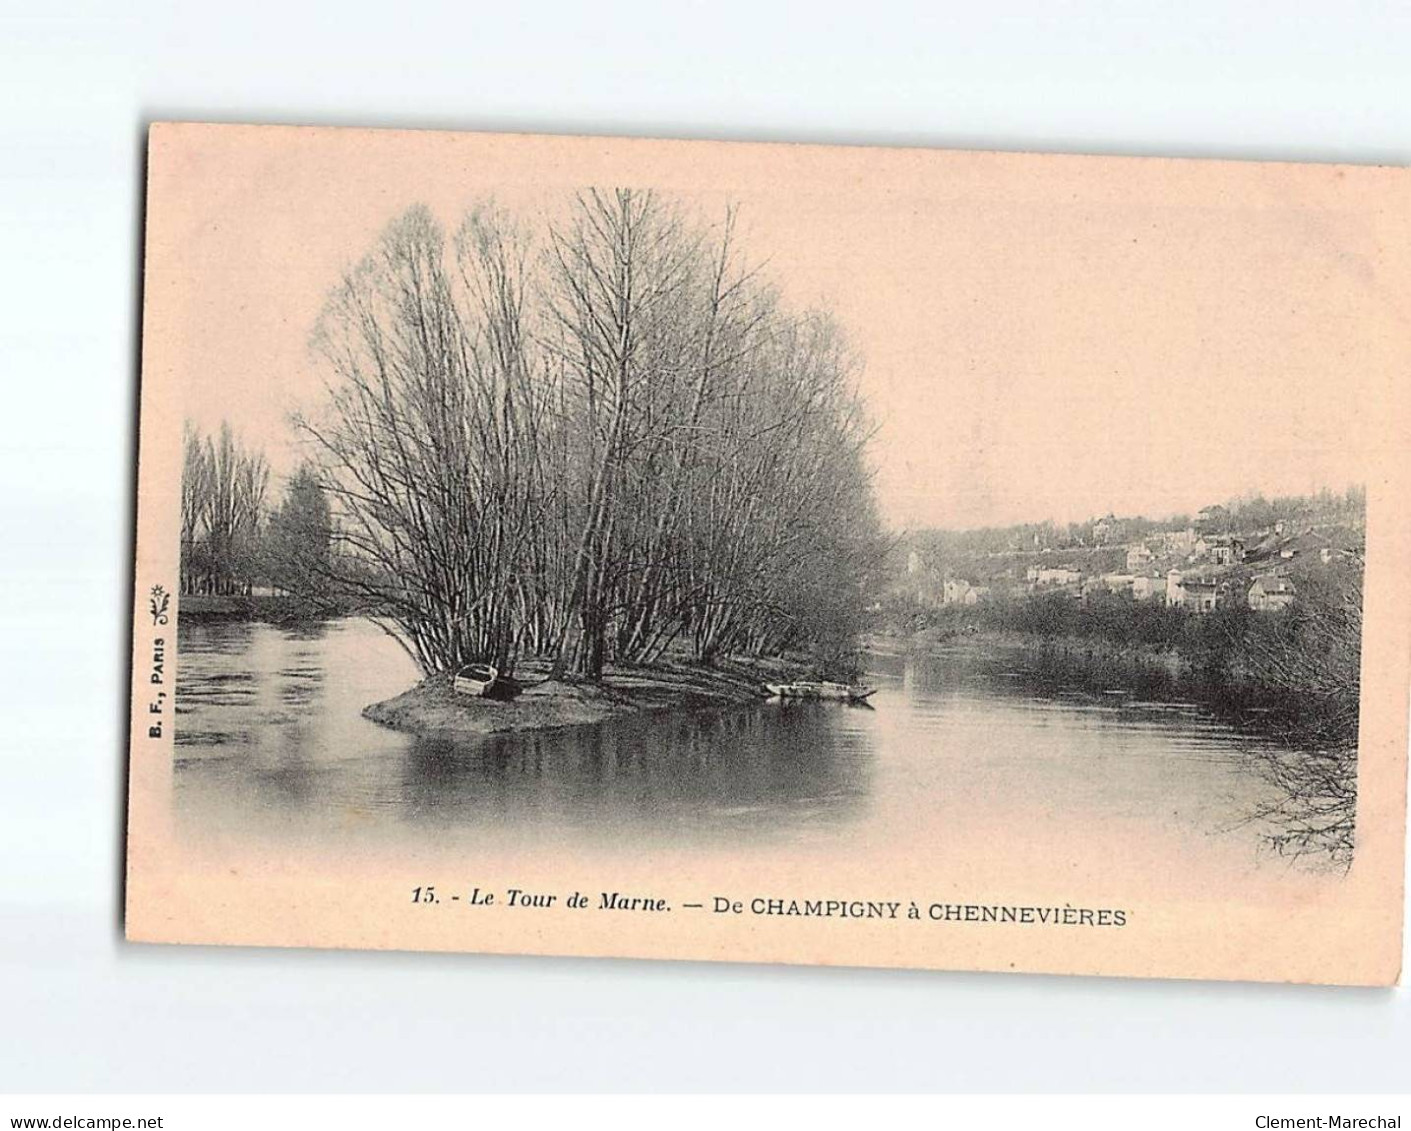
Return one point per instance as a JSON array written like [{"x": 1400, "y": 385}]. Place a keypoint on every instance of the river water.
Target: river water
[{"x": 955, "y": 749}]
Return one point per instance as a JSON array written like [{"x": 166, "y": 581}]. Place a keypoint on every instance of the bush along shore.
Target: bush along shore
[
  {"x": 532, "y": 701},
  {"x": 1222, "y": 680},
  {"x": 1308, "y": 654}
]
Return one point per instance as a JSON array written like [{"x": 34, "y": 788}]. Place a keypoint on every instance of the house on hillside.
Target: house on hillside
[
  {"x": 958, "y": 591},
  {"x": 1270, "y": 592},
  {"x": 1326, "y": 544},
  {"x": 1190, "y": 591},
  {"x": 1108, "y": 583},
  {"x": 1178, "y": 541},
  {"x": 1224, "y": 549},
  {"x": 1199, "y": 594},
  {"x": 1212, "y": 518},
  {"x": 1107, "y": 530},
  {"x": 1300, "y": 544},
  {"x": 1139, "y": 557},
  {"x": 1145, "y": 587},
  {"x": 1267, "y": 547}
]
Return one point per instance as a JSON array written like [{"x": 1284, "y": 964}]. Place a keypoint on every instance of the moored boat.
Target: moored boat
[
  {"x": 820, "y": 689},
  {"x": 475, "y": 679}
]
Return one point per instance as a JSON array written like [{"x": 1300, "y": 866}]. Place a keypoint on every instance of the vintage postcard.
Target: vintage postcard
[{"x": 772, "y": 553}]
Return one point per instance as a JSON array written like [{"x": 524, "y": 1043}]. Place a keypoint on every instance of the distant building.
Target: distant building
[
  {"x": 1106, "y": 530},
  {"x": 958, "y": 591},
  {"x": 1266, "y": 548},
  {"x": 1224, "y": 550},
  {"x": 1325, "y": 545},
  {"x": 1188, "y": 591},
  {"x": 1212, "y": 518},
  {"x": 1199, "y": 594},
  {"x": 1178, "y": 541},
  {"x": 1139, "y": 557},
  {"x": 1056, "y": 575},
  {"x": 1145, "y": 587},
  {"x": 1271, "y": 592},
  {"x": 1118, "y": 582}
]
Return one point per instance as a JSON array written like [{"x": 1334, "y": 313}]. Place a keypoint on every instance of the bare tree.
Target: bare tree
[
  {"x": 589, "y": 445},
  {"x": 222, "y": 511},
  {"x": 1312, "y": 653}
]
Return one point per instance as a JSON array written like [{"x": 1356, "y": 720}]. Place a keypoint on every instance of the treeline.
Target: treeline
[
  {"x": 233, "y": 541},
  {"x": 961, "y": 549},
  {"x": 1255, "y": 511},
  {"x": 591, "y": 438}
]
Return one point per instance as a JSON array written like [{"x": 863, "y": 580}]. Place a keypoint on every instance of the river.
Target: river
[{"x": 270, "y": 743}]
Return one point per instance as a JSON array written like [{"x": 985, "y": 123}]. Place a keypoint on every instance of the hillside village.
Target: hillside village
[{"x": 1254, "y": 553}]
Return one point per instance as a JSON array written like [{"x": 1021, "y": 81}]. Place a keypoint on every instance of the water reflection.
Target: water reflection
[
  {"x": 270, "y": 735},
  {"x": 711, "y": 772}
]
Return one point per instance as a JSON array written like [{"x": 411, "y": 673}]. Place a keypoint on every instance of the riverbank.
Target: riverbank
[
  {"x": 975, "y": 640},
  {"x": 432, "y": 709},
  {"x": 1097, "y": 666},
  {"x": 280, "y": 609}
]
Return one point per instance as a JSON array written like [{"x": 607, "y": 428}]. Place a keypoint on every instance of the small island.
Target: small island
[
  {"x": 600, "y": 453},
  {"x": 433, "y": 709}
]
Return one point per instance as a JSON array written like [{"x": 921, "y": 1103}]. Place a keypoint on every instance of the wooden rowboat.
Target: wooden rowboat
[
  {"x": 475, "y": 679},
  {"x": 820, "y": 689}
]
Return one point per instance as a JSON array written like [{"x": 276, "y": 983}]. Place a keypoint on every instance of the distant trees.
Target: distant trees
[
  {"x": 231, "y": 541},
  {"x": 1254, "y": 511},
  {"x": 223, "y": 488},
  {"x": 297, "y": 550},
  {"x": 590, "y": 441}
]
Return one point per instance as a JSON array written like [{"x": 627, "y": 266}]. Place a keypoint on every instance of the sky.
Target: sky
[{"x": 1043, "y": 338}]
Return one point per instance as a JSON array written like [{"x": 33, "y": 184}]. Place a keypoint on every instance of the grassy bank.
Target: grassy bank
[{"x": 533, "y": 702}]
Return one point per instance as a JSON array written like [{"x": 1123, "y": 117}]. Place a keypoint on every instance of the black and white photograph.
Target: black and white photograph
[{"x": 731, "y": 551}]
